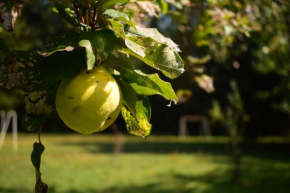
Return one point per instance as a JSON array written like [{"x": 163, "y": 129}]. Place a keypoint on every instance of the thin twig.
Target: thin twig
[
  {"x": 94, "y": 16},
  {"x": 78, "y": 12},
  {"x": 84, "y": 15},
  {"x": 90, "y": 15},
  {"x": 39, "y": 132},
  {"x": 94, "y": 19},
  {"x": 98, "y": 17}
]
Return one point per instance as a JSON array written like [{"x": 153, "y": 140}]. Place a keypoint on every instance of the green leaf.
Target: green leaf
[
  {"x": 136, "y": 110},
  {"x": 117, "y": 27},
  {"x": 156, "y": 35},
  {"x": 138, "y": 123},
  {"x": 89, "y": 53},
  {"x": 38, "y": 149},
  {"x": 119, "y": 16},
  {"x": 25, "y": 70},
  {"x": 97, "y": 45},
  {"x": 163, "y": 6},
  {"x": 156, "y": 55},
  {"x": 65, "y": 15},
  {"x": 39, "y": 77},
  {"x": 64, "y": 65},
  {"x": 158, "y": 52},
  {"x": 129, "y": 95},
  {"x": 41, "y": 101},
  {"x": 66, "y": 42},
  {"x": 102, "y": 43},
  {"x": 102, "y": 5},
  {"x": 38, "y": 106},
  {"x": 143, "y": 84},
  {"x": 22, "y": 70}
]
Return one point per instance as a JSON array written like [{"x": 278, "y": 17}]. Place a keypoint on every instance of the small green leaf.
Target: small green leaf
[
  {"x": 117, "y": 27},
  {"x": 102, "y": 43},
  {"x": 89, "y": 53},
  {"x": 120, "y": 16},
  {"x": 38, "y": 149},
  {"x": 115, "y": 14},
  {"x": 102, "y": 5},
  {"x": 65, "y": 15},
  {"x": 163, "y": 6}
]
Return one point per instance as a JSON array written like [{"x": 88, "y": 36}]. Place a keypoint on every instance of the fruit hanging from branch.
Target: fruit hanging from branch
[
  {"x": 80, "y": 71},
  {"x": 90, "y": 102},
  {"x": 102, "y": 33}
]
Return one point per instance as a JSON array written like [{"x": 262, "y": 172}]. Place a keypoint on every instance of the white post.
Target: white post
[
  {"x": 5, "y": 121},
  {"x": 204, "y": 127},
  {"x": 182, "y": 127},
  {"x": 3, "y": 132}
]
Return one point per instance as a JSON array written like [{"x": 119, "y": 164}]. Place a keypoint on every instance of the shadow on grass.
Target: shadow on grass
[
  {"x": 13, "y": 190},
  {"x": 256, "y": 179},
  {"x": 269, "y": 151}
]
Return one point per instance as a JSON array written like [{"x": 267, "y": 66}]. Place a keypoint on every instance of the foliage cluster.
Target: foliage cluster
[
  {"x": 240, "y": 41},
  {"x": 101, "y": 36}
]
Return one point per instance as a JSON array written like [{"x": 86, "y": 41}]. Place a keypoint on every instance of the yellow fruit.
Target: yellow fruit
[{"x": 90, "y": 102}]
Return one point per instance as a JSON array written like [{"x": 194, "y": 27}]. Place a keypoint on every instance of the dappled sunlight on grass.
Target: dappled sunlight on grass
[{"x": 77, "y": 164}]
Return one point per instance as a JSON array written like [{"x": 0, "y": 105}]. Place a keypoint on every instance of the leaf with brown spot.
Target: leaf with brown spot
[
  {"x": 151, "y": 47},
  {"x": 65, "y": 42},
  {"x": 138, "y": 123}
]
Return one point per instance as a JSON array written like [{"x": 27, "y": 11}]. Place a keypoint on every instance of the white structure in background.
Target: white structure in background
[
  {"x": 204, "y": 127},
  {"x": 5, "y": 122}
]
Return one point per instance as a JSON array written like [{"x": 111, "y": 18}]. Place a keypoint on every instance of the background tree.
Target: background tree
[{"x": 244, "y": 41}]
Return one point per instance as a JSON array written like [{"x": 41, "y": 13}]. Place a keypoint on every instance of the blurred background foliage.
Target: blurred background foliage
[{"x": 243, "y": 43}]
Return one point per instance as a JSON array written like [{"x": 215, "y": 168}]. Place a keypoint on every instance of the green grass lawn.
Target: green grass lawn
[{"x": 84, "y": 164}]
